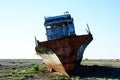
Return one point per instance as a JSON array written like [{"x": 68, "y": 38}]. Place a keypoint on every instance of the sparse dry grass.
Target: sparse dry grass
[{"x": 34, "y": 69}]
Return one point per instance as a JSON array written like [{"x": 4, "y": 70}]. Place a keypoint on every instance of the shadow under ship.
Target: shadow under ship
[{"x": 63, "y": 50}]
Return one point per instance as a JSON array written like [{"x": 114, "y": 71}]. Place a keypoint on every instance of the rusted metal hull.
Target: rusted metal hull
[
  {"x": 63, "y": 54},
  {"x": 50, "y": 59}
]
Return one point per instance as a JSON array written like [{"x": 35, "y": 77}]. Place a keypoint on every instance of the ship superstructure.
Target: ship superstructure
[{"x": 59, "y": 26}]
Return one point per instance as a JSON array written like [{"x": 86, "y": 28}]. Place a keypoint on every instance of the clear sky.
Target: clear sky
[{"x": 21, "y": 20}]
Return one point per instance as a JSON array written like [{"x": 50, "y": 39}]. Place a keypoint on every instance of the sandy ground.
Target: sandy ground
[{"x": 14, "y": 69}]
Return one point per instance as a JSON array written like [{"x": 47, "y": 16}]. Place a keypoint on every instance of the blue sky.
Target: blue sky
[{"x": 21, "y": 20}]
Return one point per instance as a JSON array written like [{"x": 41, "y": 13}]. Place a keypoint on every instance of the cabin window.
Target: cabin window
[
  {"x": 70, "y": 23},
  {"x": 48, "y": 26}
]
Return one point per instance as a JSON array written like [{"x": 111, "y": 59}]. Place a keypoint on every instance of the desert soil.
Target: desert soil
[{"x": 15, "y": 69}]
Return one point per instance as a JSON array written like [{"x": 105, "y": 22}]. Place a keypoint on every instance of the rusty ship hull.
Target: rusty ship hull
[
  {"x": 63, "y": 54},
  {"x": 63, "y": 50}
]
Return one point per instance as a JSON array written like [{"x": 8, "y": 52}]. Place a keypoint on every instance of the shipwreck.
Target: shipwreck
[{"x": 63, "y": 50}]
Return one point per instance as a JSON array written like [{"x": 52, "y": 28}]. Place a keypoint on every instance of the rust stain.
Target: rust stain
[{"x": 51, "y": 60}]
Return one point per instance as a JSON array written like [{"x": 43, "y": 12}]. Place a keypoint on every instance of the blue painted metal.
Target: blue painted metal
[{"x": 59, "y": 26}]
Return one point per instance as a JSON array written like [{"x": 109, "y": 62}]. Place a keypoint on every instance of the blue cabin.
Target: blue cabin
[{"x": 59, "y": 26}]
